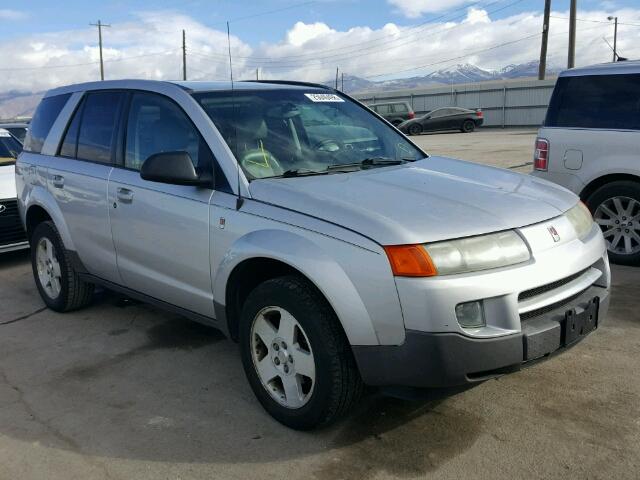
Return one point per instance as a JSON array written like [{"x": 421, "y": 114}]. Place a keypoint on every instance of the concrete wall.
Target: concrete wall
[{"x": 505, "y": 103}]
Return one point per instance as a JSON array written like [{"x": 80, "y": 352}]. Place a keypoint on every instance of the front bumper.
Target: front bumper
[{"x": 453, "y": 359}]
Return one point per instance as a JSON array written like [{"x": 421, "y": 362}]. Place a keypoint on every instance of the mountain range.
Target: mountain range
[{"x": 18, "y": 104}]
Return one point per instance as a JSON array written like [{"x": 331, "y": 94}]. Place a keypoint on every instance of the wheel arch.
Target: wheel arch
[
  {"x": 42, "y": 206},
  {"x": 261, "y": 255},
  {"x": 596, "y": 183}
]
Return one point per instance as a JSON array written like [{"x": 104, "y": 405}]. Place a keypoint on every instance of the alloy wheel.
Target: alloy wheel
[
  {"x": 48, "y": 268},
  {"x": 619, "y": 219},
  {"x": 282, "y": 357}
]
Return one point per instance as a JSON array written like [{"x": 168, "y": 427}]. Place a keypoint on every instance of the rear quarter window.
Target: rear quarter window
[
  {"x": 43, "y": 120},
  {"x": 596, "y": 101}
]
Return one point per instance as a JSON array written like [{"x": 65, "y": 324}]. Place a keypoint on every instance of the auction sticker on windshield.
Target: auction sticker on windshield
[{"x": 323, "y": 97}]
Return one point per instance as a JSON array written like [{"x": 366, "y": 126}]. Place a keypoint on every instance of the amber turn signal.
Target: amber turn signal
[{"x": 410, "y": 261}]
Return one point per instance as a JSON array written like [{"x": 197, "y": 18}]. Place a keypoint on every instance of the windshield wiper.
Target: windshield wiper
[
  {"x": 371, "y": 162},
  {"x": 300, "y": 172}
]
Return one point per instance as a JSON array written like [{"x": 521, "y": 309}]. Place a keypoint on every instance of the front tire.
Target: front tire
[
  {"x": 616, "y": 209},
  {"x": 415, "y": 129},
  {"x": 59, "y": 285},
  {"x": 296, "y": 356}
]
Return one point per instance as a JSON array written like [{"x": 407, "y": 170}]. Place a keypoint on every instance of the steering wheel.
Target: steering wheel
[
  {"x": 261, "y": 163},
  {"x": 328, "y": 145}
]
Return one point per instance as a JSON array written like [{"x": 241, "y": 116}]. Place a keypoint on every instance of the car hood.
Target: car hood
[
  {"x": 430, "y": 200},
  {"x": 8, "y": 181}
]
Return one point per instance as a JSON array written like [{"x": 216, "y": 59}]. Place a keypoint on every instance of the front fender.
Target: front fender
[
  {"x": 313, "y": 261},
  {"x": 40, "y": 196}
]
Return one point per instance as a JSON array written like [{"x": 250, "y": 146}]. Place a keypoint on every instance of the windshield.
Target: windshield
[
  {"x": 294, "y": 131},
  {"x": 9, "y": 149}
]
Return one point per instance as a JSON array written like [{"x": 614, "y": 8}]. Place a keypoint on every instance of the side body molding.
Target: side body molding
[{"x": 311, "y": 259}]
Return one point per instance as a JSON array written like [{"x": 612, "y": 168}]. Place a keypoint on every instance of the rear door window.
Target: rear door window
[
  {"x": 383, "y": 109},
  {"x": 400, "y": 108},
  {"x": 69, "y": 145},
  {"x": 596, "y": 101},
  {"x": 43, "y": 120},
  {"x": 98, "y": 126}
]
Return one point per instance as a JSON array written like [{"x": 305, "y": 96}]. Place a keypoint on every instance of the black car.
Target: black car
[
  {"x": 18, "y": 130},
  {"x": 448, "y": 118}
]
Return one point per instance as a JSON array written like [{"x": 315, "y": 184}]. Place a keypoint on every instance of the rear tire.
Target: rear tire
[
  {"x": 415, "y": 129},
  {"x": 468, "y": 126},
  {"x": 619, "y": 202},
  {"x": 336, "y": 385},
  {"x": 59, "y": 285}
]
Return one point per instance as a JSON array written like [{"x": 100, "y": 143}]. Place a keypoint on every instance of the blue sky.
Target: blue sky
[
  {"x": 45, "y": 43},
  {"x": 48, "y": 16}
]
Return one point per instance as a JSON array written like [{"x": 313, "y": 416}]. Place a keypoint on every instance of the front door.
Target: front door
[{"x": 160, "y": 231}]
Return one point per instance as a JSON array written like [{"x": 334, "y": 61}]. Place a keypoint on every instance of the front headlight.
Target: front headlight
[
  {"x": 478, "y": 253},
  {"x": 581, "y": 219}
]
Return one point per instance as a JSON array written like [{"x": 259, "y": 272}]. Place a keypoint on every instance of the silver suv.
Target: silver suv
[
  {"x": 299, "y": 223},
  {"x": 590, "y": 143}
]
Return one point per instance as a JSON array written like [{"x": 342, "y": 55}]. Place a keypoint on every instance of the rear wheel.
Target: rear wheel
[
  {"x": 468, "y": 126},
  {"x": 415, "y": 129},
  {"x": 59, "y": 285},
  {"x": 616, "y": 209},
  {"x": 295, "y": 354}
]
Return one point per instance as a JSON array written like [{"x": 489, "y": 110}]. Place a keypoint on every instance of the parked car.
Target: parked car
[
  {"x": 18, "y": 130},
  {"x": 449, "y": 118},
  {"x": 12, "y": 235},
  {"x": 335, "y": 251},
  {"x": 393, "y": 112},
  {"x": 590, "y": 144}
]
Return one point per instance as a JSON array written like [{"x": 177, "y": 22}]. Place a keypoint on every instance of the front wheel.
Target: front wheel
[
  {"x": 295, "y": 355},
  {"x": 415, "y": 129},
  {"x": 468, "y": 126},
  {"x": 59, "y": 285},
  {"x": 616, "y": 209}
]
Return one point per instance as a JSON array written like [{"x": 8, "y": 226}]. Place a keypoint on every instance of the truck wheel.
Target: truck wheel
[
  {"x": 58, "y": 283},
  {"x": 468, "y": 126},
  {"x": 296, "y": 356},
  {"x": 616, "y": 208},
  {"x": 415, "y": 129}
]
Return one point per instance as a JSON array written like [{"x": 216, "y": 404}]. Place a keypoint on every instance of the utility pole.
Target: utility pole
[
  {"x": 184, "y": 55},
  {"x": 100, "y": 25},
  {"x": 615, "y": 37},
  {"x": 571, "y": 60},
  {"x": 542, "y": 66},
  {"x": 337, "y": 77},
  {"x": 342, "y": 80},
  {"x": 257, "y": 74}
]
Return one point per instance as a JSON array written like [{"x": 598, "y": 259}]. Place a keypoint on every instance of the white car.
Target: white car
[
  {"x": 590, "y": 144},
  {"x": 12, "y": 235}
]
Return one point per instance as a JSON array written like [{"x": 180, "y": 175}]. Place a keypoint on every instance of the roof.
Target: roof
[
  {"x": 611, "y": 68},
  {"x": 13, "y": 125},
  {"x": 191, "y": 86}
]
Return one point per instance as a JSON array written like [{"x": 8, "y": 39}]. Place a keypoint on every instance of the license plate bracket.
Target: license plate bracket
[{"x": 578, "y": 324}]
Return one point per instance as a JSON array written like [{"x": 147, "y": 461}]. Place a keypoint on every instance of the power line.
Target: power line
[{"x": 596, "y": 21}]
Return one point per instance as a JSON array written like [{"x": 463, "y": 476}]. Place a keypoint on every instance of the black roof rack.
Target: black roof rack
[{"x": 292, "y": 82}]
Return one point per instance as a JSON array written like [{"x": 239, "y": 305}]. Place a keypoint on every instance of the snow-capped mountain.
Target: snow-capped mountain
[{"x": 455, "y": 74}]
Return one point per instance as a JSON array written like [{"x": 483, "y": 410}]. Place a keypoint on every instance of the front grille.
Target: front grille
[
  {"x": 550, "y": 286},
  {"x": 11, "y": 230},
  {"x": 550, "y": 308}
]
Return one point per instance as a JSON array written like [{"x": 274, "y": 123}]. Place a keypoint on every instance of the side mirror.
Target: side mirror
[{"x": 175, "y": 168}]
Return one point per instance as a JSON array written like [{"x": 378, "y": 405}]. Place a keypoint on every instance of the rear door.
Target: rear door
[
  {"x": 161, "y": 231},
  {"x": 78, "y": 178}
]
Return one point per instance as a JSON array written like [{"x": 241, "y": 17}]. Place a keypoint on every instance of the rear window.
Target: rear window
[
  {"x": 596, "y": 101},
  {"x": 43, "y": 119}
]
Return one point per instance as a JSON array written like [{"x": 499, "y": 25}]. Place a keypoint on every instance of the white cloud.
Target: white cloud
[
  {"x": 8, "y": 14},
  {"x": 415, "y": 8},
  {"x": 149, "y": 47}
]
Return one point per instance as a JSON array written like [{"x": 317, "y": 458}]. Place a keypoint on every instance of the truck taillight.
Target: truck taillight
[
  {"x": 412, "y": 115},
  {"x": 541, "y": 155},
  {"x": 479, "y": 113}
]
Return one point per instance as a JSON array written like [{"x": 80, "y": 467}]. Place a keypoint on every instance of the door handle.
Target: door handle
[
  {"x": 58, "y": 181},
  {"x": 125, "y": 195}
]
